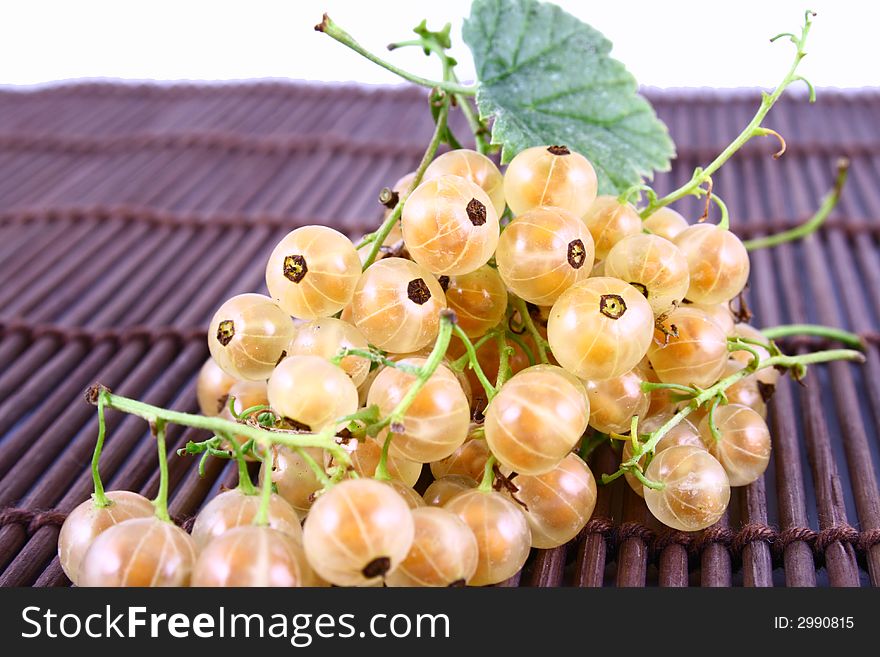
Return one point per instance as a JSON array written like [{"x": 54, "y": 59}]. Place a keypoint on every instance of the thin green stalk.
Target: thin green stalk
[
  {"x": 460, "y": 363},
  {"x": 488, "y": 475},
  {"x": 513, "y": 337},
  {"x": 540, "y": 342},
  {"x": 245, "y": 484},
  {"x": 382, "y": 473},
  {"x": 427, "y": 158},
  {"x": 474, "y": 363},
  {"x": 503, "y": 359},
  {"x": 161, "y": 501},
  {"x": 430, "y": 366},
  {"x": 320, "y": 475},
  {"x": 331, "y": 29},
  {"x": 838, "y": 335},
  {"x": 650, "y": 386},
  {"x": 753, "y": 129},
  {"x": 478, "y": 127},
  {"x": 813, "y": 223},
  {"x": 374, "y": 357},
  {"x": 100, "y": 498},
  {"x": 262, "y": 517}
]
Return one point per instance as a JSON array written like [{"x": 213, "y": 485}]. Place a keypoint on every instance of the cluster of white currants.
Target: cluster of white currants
[{"x": 620, "y": 301}]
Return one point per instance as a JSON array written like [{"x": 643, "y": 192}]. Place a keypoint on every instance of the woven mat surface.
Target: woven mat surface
[{"x": 128, "y": 213}]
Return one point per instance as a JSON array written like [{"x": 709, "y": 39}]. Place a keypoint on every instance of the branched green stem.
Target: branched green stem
[
  {"x": 787, "y": 362},
  {"x": 813, "y": 223},
  {"x": 439, "y": 131},
  {"x": 474, "y": 363},
  {"x": 754, "y": 129},
  {"x": 331, "y": 29},
  {"x": 221, "y": 426},
  {"x": 527, "y": 350},
  {"x": 460, "y": 363}
]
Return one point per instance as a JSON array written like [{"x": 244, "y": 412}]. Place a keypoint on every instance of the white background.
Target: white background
[{"x": 667, "y": 43}]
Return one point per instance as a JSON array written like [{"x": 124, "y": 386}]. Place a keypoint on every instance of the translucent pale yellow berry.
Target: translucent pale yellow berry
[
  {"x": 536, "y": 419},
  {"x": 558, "y": 503},
  {"x": 609, "y": 221},
  {"x": 695, "y": 489},
  {"x": 312, "y": 272},
  {"x": 600, "y": 328},
  {"x": 450, "y": 226},
  {"x": 473, "y": 166},
  {"x": 544, "y": 252},
  {"x": 550, "y": 176},
  {"x": 248, "y": 335},
  {"x": 397, "y": 305}
]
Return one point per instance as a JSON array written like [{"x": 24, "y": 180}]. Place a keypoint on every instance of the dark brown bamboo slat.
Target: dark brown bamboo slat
[{"x": 128, "y": 213}]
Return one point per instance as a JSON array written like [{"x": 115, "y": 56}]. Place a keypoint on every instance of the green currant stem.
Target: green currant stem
[
  {"x": 374, "y": 357},
  {"x": 724, "y": 222},
  {"x": 638, "y": 474},
  {"x": 540, "y": 342},
  {"x": 813, "y": 223},
  {"x": 710, "y": 393},
  {"x": 474, "y": 363},
  {"x": 650, "y": 386},
  {"x": 382, "y": 473},
  {"x": 504, "y": 350},
  {"x": 736, "y": 344},
  {"x": 460, "y": 363},
  {"x": 395, "y": 420},
  {"x": 262, "y": 517},
  {"x": 161, "y": 501},
  {"x": 513, "y": 337},
  {"x": 430, "y": 152},
  {"x": 589, "y": 445},
  {"x": 320, "y": 475},
  {"x": 245, "y": 484},
  {"x": 753, "y": 129},
  {"x": 253, "y": 409},
  {"x": 100, "y": 498},
  {"x": 447, "y": 322},
  {"x": 713, "y": 426},
  {"x": 219, "y": 425},
  {"x": 331, "y": 29},
  {"x": 477, "y": 126},
  {"x": 839, "y": 335},
  {"x": 488, "y": 475}
]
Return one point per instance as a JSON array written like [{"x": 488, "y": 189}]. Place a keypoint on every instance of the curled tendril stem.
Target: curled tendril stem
[{"x": 701, "y": 175}]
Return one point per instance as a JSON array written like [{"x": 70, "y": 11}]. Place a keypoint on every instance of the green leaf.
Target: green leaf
[{"x": 547, "y": 78}]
